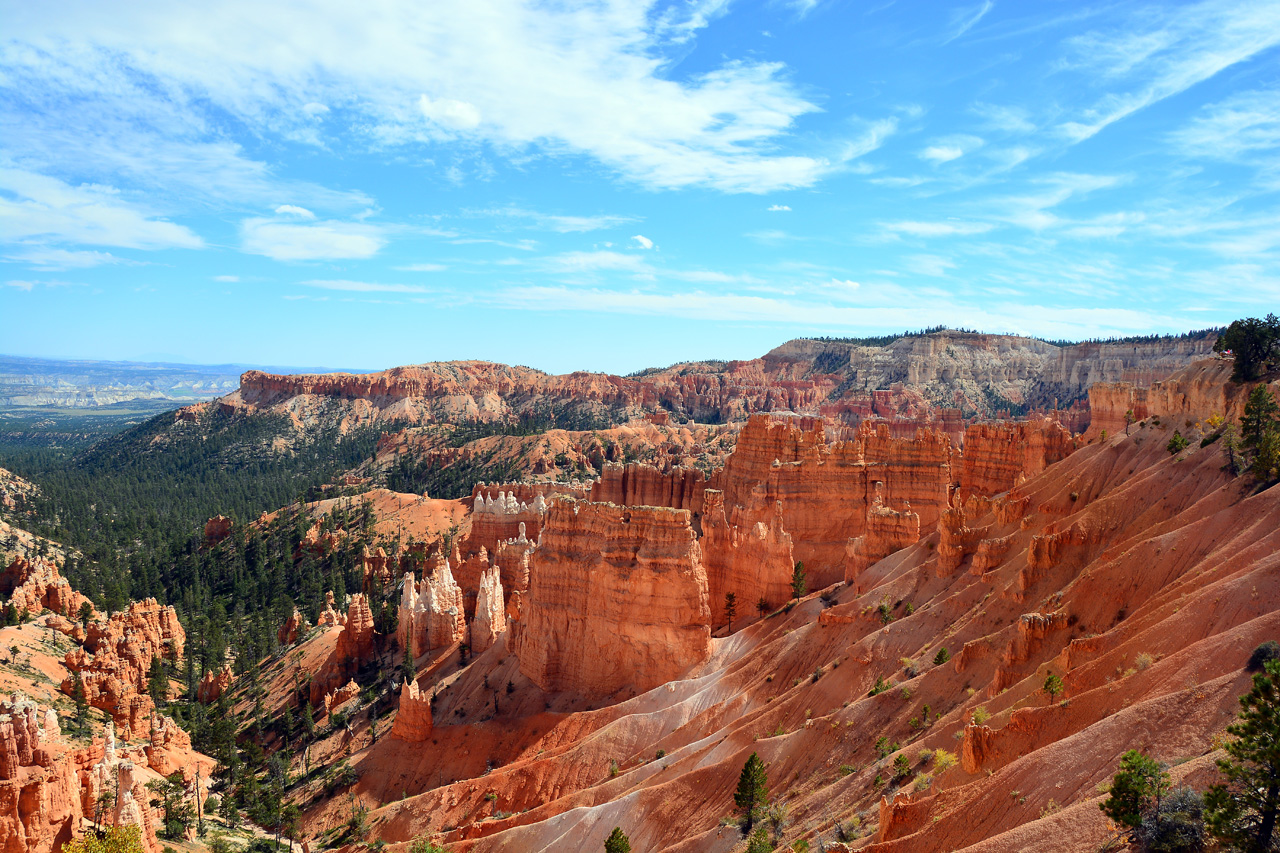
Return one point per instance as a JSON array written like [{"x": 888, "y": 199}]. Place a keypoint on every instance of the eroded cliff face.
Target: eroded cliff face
[
  {"x": 923, "y": 381},
  {"x": 826, "y": 490},
  {"x": 39, "y": 785},
  {"x": 354, "y": 647},
  {"x": 750, "y": 558},
  {"x": 116, "y": 657},
  {"x": 998, "y": 456},
  {"x": 617, "y": 599},
  {"x": 644, "y": 485},
  {"x": 1196, "y": 393},
  {"x": 51, "y": 787}
]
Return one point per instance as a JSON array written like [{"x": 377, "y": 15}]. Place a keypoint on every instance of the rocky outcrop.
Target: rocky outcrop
[
  {"x": 293, "y": 628},
  {"x": 750, "y": 558},
  {"x": 431, "y": 612},
  {"x": 214, "y": 684},
  {"x": 826, "y": 489},
  {"x": 945, "y": 368},
  {"x": 617, "y": 600},
  {"x": 39, "y": 789},
  {"x": 33, "y": 585},
  {"x": 1195, "y": 393},
  {"x": 998, "y": 456},
  {"x": 343, "y": 694},
  {"x": 989, "y": 554},
  {"x": 216, "y": 529},
  {"x": 130, "y": 806},
  {"x": 355, "y": 646},
  {"x": 645, "y": 485},
  {"x": 888, "y": 530},
  {"x": 116, "y": 659},
  {"x": 491, "y": 612},
  {"x": 512, "y": 560},
  {"x": 413, "y": 719},
  {"x": 329, "y": 617},
  {"x": 956, "y": 540}
]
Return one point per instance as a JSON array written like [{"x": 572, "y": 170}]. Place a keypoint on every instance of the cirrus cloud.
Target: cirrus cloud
[{"x": 283, "y": 241}]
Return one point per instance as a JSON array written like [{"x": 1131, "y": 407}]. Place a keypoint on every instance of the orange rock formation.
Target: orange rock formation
[
  {"x": 617, "y": 599},
  {"x": 34, "y": 585},
  {"x": 116, "y": 658}
]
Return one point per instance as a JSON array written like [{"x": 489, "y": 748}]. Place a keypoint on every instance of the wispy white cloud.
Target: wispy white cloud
[
  {"x": 942, "y": 153},
  {"x": 894, "y": 306},
  {"x": 294, "y": 210},
  {"x": 283, "y": 241},
  {"x": 422, "y": 268},
  {"x": 47, "y": 259},
  {"x": 560, "y": 223},
  {"x": 583, "y": 78},
  {"x": 778, "y": 208},
  {"x": 587, "y": 262},
  {"x": 363, "y": 286},
  {"x": 931, "y": 265},
  {"x": 964, "y": 19},
  {"x": 1244, "y": 124},
  {"x": 643, "y": 242},
  {"x": 227, "y": 279},
  {"x": 1161, "y": 51},
  {"x": 45, "y": 209},
  {"x": 951, "y": 148},
  {"x": 938, "y": 229},
  {"x": 1003, "y": 117}
]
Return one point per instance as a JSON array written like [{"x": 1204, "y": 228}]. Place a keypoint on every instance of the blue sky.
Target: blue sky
[{"x": 614, "y": 185}]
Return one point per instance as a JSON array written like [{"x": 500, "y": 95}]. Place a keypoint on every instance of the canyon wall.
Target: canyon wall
[
  {"x": 997, "y": 456},
  {"x": 911, "y": 379},
  {"x": 617, "y": 599},
  {"x": 825, "y": 490},
  {"x": 1198, "y": 392}
]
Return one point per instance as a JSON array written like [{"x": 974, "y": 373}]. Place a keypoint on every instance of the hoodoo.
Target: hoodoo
[{"x": 617, "y": 599}]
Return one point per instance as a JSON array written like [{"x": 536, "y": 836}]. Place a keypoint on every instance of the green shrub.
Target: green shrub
[{"x": 1270, "y": 650}]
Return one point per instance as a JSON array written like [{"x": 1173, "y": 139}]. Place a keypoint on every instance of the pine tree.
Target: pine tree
[
  {"x": 798, "y": 584},
  {"x": 1052, "y": 685},
  {"x": 1136, "y": 790},
  {"x": 158, "y": 682},
  {"x": 1243, "y": 812},
  {"x": 752, "y": 790},
  {"x": 730, "y": 609},
  {"x": 617, "y": 842},
  {"x": 1259, "y": 415}
]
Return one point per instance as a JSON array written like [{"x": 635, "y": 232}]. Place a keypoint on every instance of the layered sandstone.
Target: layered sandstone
[
  {"x": 617, "y": 599},
  {"x": 34, "y": 584},
  {"x": 413, "y": 719},
  {"x": 752, "y": 559},
  {"x": 431, "y": 612},
  {"x": 213, "y": 684},
  {"x": 355, "y": 646},
  {"x": 888, "y": 531},
  {"x": 645, "y": 485},
  {"x": 998, "y": 456},
  {"x": 826, "y": 489},
  {"x": 39, "y": 787},
  {"x": 116, "y": 659},
  {"x": 1196, "y": 393},
  {"x": 293, "y": 627},
  {"x": 491, "y": 612}
]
